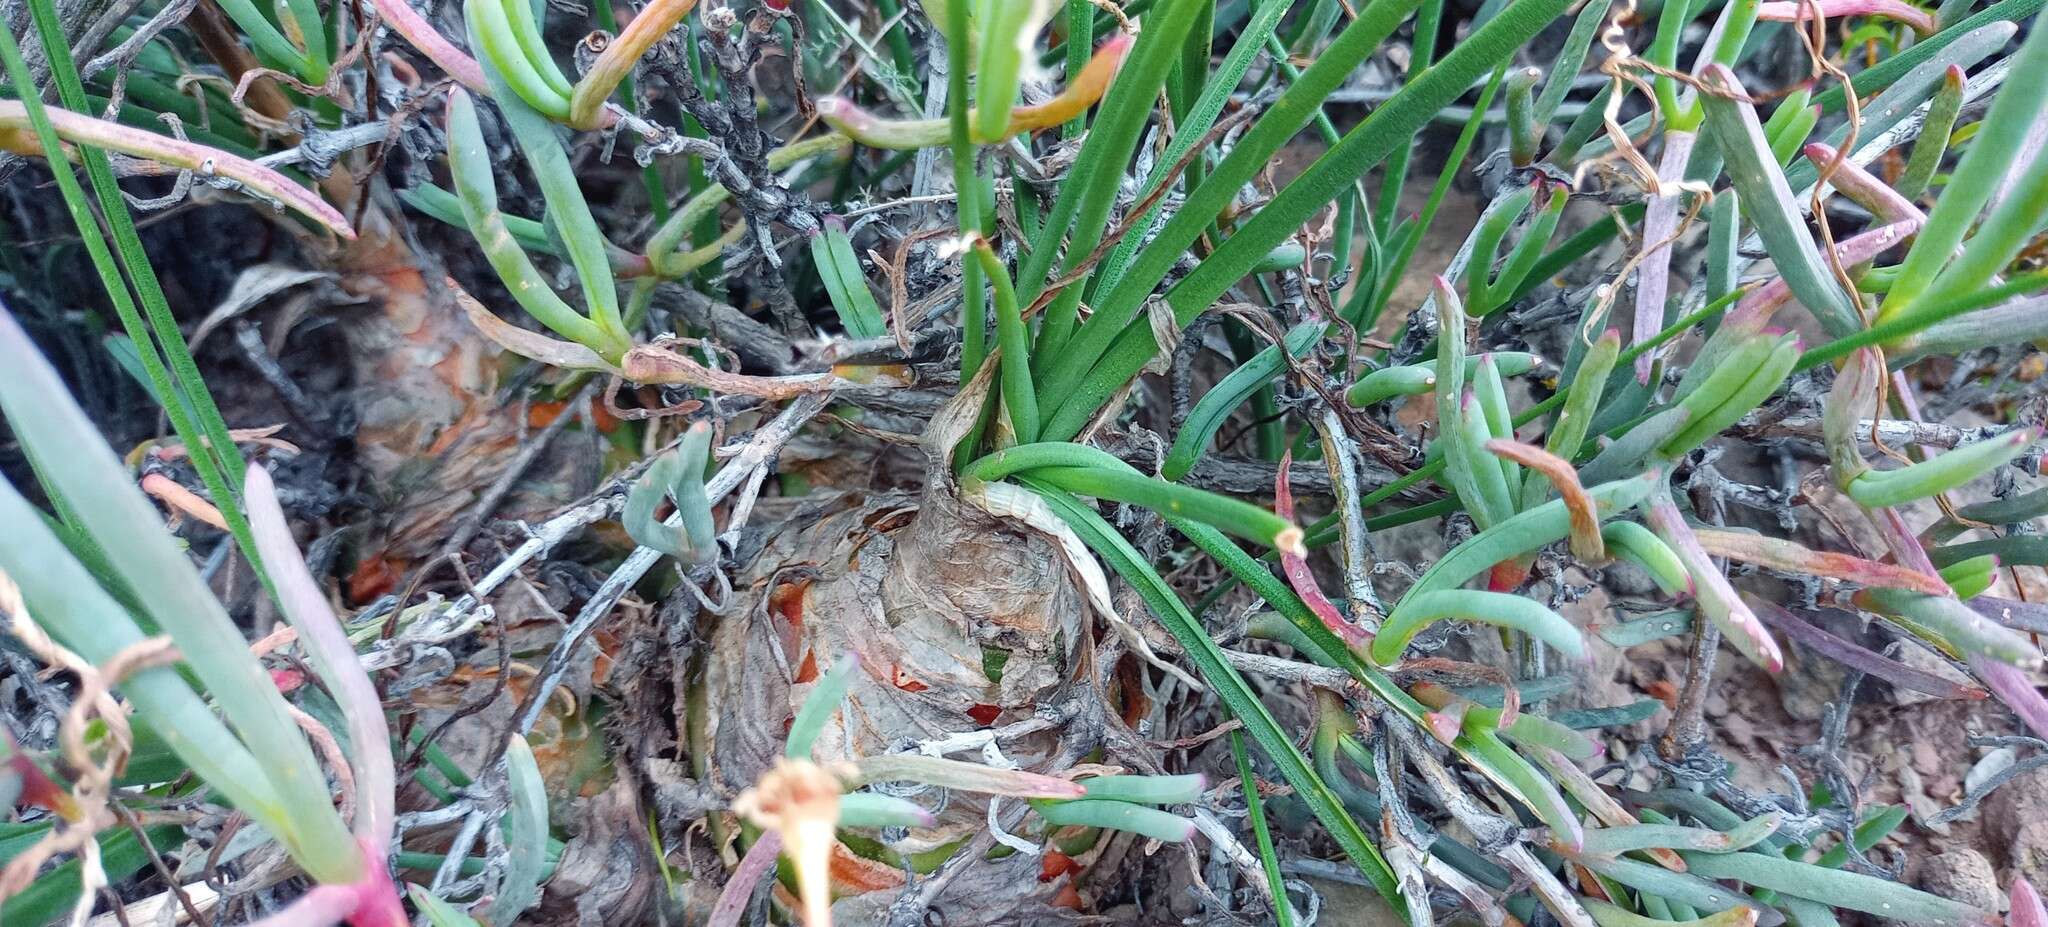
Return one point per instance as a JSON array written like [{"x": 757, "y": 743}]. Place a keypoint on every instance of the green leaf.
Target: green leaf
[
  {"x": 1638, "y": 545},
  {"x": 51, "y": 896},
  {"x": 438, "y": 913},
  {"x": 1883, "y": 74},
  {"x": 1683, "y": 887},
  {"x": 1525, "y": 532},
  {"x": 1934, "y": 311},
  {"x": 498, "y": 42},
  {"x": 839, "y": 268},
  {"x": 1255, "y": 811},
  {"x": 1614, "y": 841},
  {"x": 2003, "y": 234},
  {"x": 1188, "y": 130},
  {"x": 1007, "y": 30},
  {"x": 1020, "y": 401},
  {"x": 1147, "y": 790},
  {"x": 1081, "y": 212},
  {"x": 1090, "y": 472},
  {"x": 568, "y": 212},
  {"x": 1939, "y": 474},
  {"x": 173, "y": 374},
  {"x": 1571, "y": 59},
  {"x": 1850, "y": 890},
  {"x": 1390, "y": 125},
  {"x": 447, "y": 207},
  {"x": 1932, "y": 144},
  {"x": 1734, "y": 389},
  {"x": 819, "y": 706},
  {"x": 678, "y": 475},
  {"x": 1526, "y": 615},
  {"x": 1952, "y": 624},
  {"x": 1516, "y": 776},
  {"x": 871, "y": 809},
  {"x": 472, "y": 168},
  {"x": 1117, "y": 815},
  {"x": 1116, "y": 308},
  {"x": 1229, "y": 686},
  {"x": 1991, "y": 154},
  {"x": 525, "y": 826},
  {"x": 1581, "y": 401},
  {"x": 1766, "y": 200},
  {"x": 109, "y": 508},
  {"x": 1216, "y": 406}
]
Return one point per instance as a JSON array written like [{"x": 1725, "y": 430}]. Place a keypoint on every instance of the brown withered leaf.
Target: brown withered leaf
[{"x": 607, "y": 874}]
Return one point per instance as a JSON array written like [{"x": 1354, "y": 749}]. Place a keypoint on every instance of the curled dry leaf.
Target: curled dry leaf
[{"x": 1586, "y": 542}]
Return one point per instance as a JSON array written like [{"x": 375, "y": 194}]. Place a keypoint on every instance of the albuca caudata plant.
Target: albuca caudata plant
[{"x": 1004, "y": 461}]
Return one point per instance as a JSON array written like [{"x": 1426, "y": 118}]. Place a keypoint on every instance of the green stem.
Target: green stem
[{"x": 1019, "y": 400}]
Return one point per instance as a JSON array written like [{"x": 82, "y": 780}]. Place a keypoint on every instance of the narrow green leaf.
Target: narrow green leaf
[
  {"x": 1390, "y": 125},
  {"x": 819, "y": 706},
  {"x": 1636, "y": 544},
  {"x": 1944, "y": 472},
  {"x": 472, "y": 169},
  {"x": 1883, "y": 74},
  {"x": 1117, "y": 815},
  {"x": 1571, "y": 59},
  {"x": 525, "y": 826},
  {"x": 1613, "y": 841},
  {"x": 1229, "y": 686},
  {"x": 1147, "y": 790},
  {"x": 51, "y": 897},
  {"x": 1081, "y": 212},
  {"x": 1525, "y": 532},
  {"x": 1020, "y": 401},
  {"x": 438, "y": 913},
  {"x": 500, "y": 53},
  {"x": 1998, "y": 142},
  {"x": 1188, "y": 130},
  {"x": 1851, "y": 890},
  {"x": 1952, "y": 624},
  {"x": 1216, "y": 406},
  {"x": 567, "y": 210},
  {"x": 1116, "y": 308},
  {"x": 871, "y": 809},
  {"x": 1518, "y": 777},
  {"x": 114, "y": 512},
  {"x": 1087, "y": 471},
  {"x": 1932, "y": 142},
  {"x": 193, "y": 414},
  {"x": 1007, "y": 30},
  {"x": 839, "y": 267},
  {"x": 1678, "y": 886},
  {"x": 1255, "y": 811},
  {"x": 1518, "y": 613},
  {"x": 1766, "y": 199}
]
